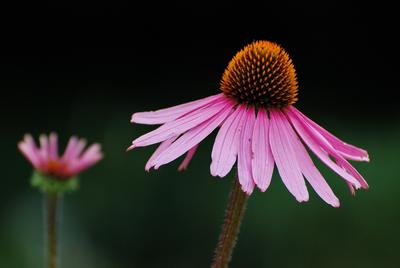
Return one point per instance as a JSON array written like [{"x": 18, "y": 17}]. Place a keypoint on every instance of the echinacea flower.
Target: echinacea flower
[
  {"x": 55, "y": 174},
  {"x": 48, "y": 163},
  {"x": 258, "y": 128}
]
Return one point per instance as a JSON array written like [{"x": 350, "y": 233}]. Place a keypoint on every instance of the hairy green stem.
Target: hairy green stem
[
  {"x": 52, "y": 211},
  {"x": 230, "y": 230}
]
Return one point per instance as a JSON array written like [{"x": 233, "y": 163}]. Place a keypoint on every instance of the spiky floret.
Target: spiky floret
[{"x": 261, "y": 74}]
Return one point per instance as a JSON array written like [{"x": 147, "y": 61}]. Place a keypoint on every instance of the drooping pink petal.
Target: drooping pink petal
[
  {"x": 263, "y": 161},
  {"x": 303, "y": 131},
  {"x": 193, "y": 137},
  {"x": 310, "y": 172},
  {"x": 351, "y": 188},
  {"x": 226, "y": 144},
  {"x": 53, "y": 146},
  {"x": 244, "y": 154},
  {"x": 185, "y": 163},
  {"x": 348, "y": 151},
  {"x": 169, "y": 114},
  {"x": 327, "y": 147},
  {"x": 181, "y": 125},
  {"x": 30, "y": 151},
  {"x": 164, "y": 145},
  {"x": 284, "y": 155}
]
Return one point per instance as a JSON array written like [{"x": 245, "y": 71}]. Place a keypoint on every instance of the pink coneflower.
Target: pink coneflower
[
  {"x": 54, "y": 175},
  {"x": 47, "y": 161},
  {"x": 259, "y": 127}
]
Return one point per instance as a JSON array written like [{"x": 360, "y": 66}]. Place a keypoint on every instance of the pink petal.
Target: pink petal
[
  {"x": 73, "y": 141},
  {"x": 263, "y": 161},
  {"x": 244, "y": 155},
  {"x": 169, "y": 114},
  {"x": 164, "y": 145},
  {"x": 348, "y": 151},
  {"x": 91, "y": 156},
  {"x": 53, "y": 146},
  {"x": 185, "y": 163},
  {"x": 285, "y": 157},
  {"x": 181, "y": 125},
  {"x": 44, "y": 147},
  {"x": 74, "y": 149},
  {"x": 311, "y": 173},
  {"x": 193, "y": 137},
  {"x": 30, "y": 151},
  {"x": 94, "y": 151},
  {"x": 351, "y": 188},
  {"x": 226, "y": 144},
  {"x": 313, "y": 143},
  {"x": 327, "y": 147}
]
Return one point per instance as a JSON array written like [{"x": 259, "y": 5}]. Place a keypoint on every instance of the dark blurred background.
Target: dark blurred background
[{"x": 82, "y": 68}]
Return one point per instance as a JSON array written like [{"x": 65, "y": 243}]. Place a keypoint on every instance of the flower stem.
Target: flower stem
[
  {"x": 233, "y": 217},
  {"x": 52, "y": 215}
]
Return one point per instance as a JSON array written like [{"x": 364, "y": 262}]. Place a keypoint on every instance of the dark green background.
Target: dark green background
[{"x": 84, "y": 68}]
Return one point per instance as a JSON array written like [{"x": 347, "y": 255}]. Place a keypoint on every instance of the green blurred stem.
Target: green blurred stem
[
  {"x": 230, "y": 230},
  {"x": 52, "y": 211}
]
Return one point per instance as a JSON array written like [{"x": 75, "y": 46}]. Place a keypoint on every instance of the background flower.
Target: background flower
[{"x": 47, "y": 160}]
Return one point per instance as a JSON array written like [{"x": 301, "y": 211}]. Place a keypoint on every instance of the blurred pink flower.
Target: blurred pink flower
[
  {"x": 47, "y": 161},
  {"x": 259, "y": 127}
]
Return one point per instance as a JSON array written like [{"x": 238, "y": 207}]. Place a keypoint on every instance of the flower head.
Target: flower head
[
  {"x": 46, "y": 160},
  {"x": 258, "y": 128}
]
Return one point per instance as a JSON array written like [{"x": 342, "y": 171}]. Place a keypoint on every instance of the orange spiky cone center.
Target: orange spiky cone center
[{"x": 261, "y": 74}]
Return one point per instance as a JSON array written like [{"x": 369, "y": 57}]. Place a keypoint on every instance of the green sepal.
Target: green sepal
[{"x": 50, "y": 184}]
